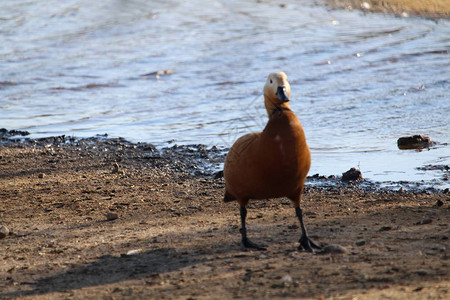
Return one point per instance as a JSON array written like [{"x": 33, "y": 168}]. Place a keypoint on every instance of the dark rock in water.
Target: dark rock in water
[
  {"x": 5, "y": 133},
  {"x": 414, "y": 142},
  {"x": 317, "y": 176},
  {"x": 352, "y": 175}
]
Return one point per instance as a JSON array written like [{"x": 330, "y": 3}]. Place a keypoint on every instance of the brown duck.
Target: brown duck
[{"x": 272, "y": 163}]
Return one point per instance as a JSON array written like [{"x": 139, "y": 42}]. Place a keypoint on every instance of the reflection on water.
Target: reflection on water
[{"x": 358, "y": 81}]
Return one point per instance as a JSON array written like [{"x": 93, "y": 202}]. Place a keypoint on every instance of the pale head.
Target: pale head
[{"x": 277, "y": 92}]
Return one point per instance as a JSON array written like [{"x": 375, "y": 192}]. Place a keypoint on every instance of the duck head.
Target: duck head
[{"x": 277, "y": 92}]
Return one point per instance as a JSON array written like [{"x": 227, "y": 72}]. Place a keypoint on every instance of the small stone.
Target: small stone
[
  {"x": 134, "y": 252},
  {"x": 426, "y": 221},
  {"x": 286, "y": 280},
  {"x": 365, "y": 6},
  {"x": 4, "y": 231},
  {"x": 360, "y": 243},
  {"x": 421, "y": 272},
  {"x": 333, "y": 249},
  {"x": 111, "y": 216},
  {"x": 293, "y": 226},
  {"x": 385, "y": 228},
  {"x": 218, "y": 175},
  {"x": 41, "y": 175},
  {"x": 439, "y": 203}
]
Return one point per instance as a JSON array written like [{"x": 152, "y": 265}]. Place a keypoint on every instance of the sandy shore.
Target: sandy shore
[
  {"x": 170, "y": 235},
  {"x": 422, "y": 8}
]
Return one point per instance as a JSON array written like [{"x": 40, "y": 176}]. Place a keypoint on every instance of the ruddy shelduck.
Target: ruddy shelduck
[{"x": 272, "y": 163}]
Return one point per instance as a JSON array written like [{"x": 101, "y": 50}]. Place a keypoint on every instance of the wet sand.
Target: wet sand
[
  {"x": 170, "y": 235},
  {"x": 421, "y": 8}
]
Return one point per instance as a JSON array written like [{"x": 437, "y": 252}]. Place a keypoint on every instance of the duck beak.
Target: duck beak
[{"x": 281, "y": 94}]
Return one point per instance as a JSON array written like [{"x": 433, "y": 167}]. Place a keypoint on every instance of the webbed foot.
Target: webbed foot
[
  {"x": 247, "y": 244},
  {"x": 307, "y": 244}
]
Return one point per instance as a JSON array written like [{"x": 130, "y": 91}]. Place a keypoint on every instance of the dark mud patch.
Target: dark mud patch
[
  {"x": 5, "y": 134},
  {"x": 190, "y": 160}
]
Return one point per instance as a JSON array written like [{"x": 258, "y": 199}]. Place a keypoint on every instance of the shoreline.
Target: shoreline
[
  {"x": 200, "y": 161},
  {"x": 434, "y": 9},
  {"x": 106, "y": 218}
]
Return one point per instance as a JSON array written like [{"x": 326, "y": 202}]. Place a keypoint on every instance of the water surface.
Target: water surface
[{"x": 359, "y": 81}]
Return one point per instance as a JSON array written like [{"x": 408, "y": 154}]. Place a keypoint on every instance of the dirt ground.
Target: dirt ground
[
  {"x": 174, "y": 237},
  {"x": 404, "y": 8}
]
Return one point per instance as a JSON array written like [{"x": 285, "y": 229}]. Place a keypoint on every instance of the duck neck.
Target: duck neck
[{"x": 274, "y": 106}]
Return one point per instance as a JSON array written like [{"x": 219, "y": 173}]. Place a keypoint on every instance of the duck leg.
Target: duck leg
[
  {"x": 305, "y": 242},
  {"x": 246, "y": 243}
]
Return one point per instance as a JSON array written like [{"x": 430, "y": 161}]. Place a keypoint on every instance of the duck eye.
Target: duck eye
[{"x": 270, "y": 81}]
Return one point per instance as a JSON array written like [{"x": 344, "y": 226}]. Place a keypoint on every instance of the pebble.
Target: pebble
[
  {"x": 385, "y": 228},
  {"x": 134, "y": 252},
  {"x": 131, "y": 252},
  {"x": 286, "y": 280},
  {"x": 333, "y": 249},
  {"x": 4, "y": 231},
  {"x": 360, "y": 243},
  {"x": 425, "y": 221},
  {"x": 421, "y": 272},
  {"x": 111, "y": 216},
  {"x": 218, "y": 175},
  {"x": 41, "y": 175}
]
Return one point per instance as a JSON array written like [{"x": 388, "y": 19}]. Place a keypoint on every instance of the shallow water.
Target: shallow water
[{"x": 359, "y": 81}]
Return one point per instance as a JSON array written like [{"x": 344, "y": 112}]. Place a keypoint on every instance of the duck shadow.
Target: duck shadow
[{"x": 109, "y": 269}]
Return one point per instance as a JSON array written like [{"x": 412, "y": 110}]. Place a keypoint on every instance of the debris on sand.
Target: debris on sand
[{"x": 117, "y": 169}]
